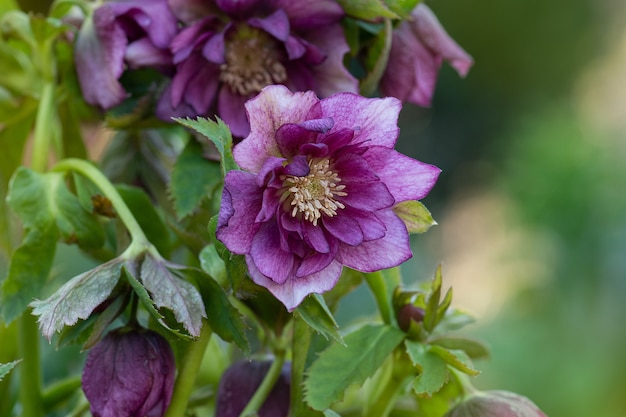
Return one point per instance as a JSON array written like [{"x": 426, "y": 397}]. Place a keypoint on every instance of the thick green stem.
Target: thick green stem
[
  {"x": 378, "y": 287},
  {"x": 60, "y": 391},
  {"x": 266, "y": 386},
  {"x": 302, "y": 334},
  {"x": 188, "y": 372},
  {"x": 387, "y": 397},
  {"x": 43, "y": 124},
  {"x": 123, "y": 212},
  {"x": 30, "y": 367}
]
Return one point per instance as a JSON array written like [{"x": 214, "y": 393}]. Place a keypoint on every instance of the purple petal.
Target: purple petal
[
  {"x": 307, "y": 15},
  {"x": 406, "y": 178},
  {"x": 230, "y": 107},
  {"x": 237, "y": 7},
  {"x": 276, "y": 24},
  {"x": 268, "y": 170},
  {"x": 143, "y": 53},
  {"x": 315, "y": 263},
  {"x": 268, "y": 209},
  {"x": 161, "y": 25},
  {"x": 293, "y": 291},
  {"x": 189, "y": 11},
  {"x": 315, "y": 237},
  {"x": 387, "y": 252},
  {"x": 273, "y": 107},
  {"x": 344, "y": 228},
  {"x": 295, "y": 48},
  {"x": 237, "y": 230},
  {"x": 186, "y": 41},
  {"x": 166, "y": 111},
  {"x": 214, "y": 49},
  {"x": 290, "y": 137},
  {"x": 298, "y": 166},
  {"x": 368, "y": 196},
  {"x": 370, "y": 225},
  {"x": 268, "y": 256},
  {"x": 374, "y": 119},
  {"x": 354, "y": 168}
]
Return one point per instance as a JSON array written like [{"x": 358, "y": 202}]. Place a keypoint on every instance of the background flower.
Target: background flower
[{"x": 318, "y": 192}]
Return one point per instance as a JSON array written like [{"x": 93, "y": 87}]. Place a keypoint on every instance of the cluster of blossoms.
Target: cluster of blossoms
[{"x": 219, "y": 54}]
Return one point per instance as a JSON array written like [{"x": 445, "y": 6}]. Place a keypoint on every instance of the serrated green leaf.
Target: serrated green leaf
[
  {"x": 376, "y": 59},
  {"x": 475, "y": 349},
  {"x": 223, "y": 318},
  {"x": 314, "y": 311},
  {"x": 105, "y": 318},
  {"x": 193, "y": 178},
  {"x": 415, "y": 216},
  {"x": 433, "y": 369},
  {"x": 338, "y": 367},
  {"x": 173, "y": 293},
  {"x": 454, "y": 319},
  {"x": 77, "y": 298},
  {"x": 455, "y": 358},
  {"x": 367, "y": 9},
  {"x": 5, "y": 368},
  {"x": 218, "y": 133}
]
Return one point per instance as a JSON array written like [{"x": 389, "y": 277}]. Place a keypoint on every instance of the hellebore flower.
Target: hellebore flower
[
  {"x": 419, "y": 45},
  {"x": 320, "y": 182},
  {"x": 121, "y": 34},
  {"x": 495, "y": 404},
  {"x": 227, "y": 57},
  {"x": 241, "y": 380},
  {"x": 129, "y": 373}
]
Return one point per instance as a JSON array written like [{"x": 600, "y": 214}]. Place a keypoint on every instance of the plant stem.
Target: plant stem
[
  {"x": 188, "y": 372},
  {"x": 43, "y": 123},
  {"x": 30, "y": 368},
  {"x": 60, "y": 391},
  {"x": 387, "y": 397},
  {"x": 266, "y": 386},
  {"x": 92, "y": 173},
  {"x": 302, "y": 334},
  {"x": 378, "y": 286}
]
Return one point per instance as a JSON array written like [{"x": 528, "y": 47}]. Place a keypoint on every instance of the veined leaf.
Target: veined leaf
[
  {"x": 433, "y": 369},
  {"x": 415, "y": 216},
  {"x": 5, "y": 368},
  {"x": 316, "y": 314}
]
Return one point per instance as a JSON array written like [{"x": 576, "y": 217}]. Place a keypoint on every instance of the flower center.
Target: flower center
[
  {"x": 315, "y": 193},
  {"x": 252, "y": 61}
]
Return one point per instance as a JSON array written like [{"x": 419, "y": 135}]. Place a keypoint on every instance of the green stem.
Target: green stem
[
  {"x": 378, "y": 286},
  {"x": 30, "y": 367},
  {"x": 302, "y": 334},
  {"x": 188, "y": 372},
  {"x": 43, "y": 124},
  {"x": 266, "y": 386},
  {"x": 387, "y": 397},
  {"x": 60, "y": 391},
  {"x": 97, "y": 177}
]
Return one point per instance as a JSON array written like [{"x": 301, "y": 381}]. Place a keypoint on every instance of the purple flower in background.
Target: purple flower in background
[
  {"x": 233, "y": 48},
  {"x": 129, "y": 373},
  {"x": 495, "y": 404},
  {"x": 320, "y": 182},
  {"x": 120, "y": 35},
  {"x": 419, "y": 46}
]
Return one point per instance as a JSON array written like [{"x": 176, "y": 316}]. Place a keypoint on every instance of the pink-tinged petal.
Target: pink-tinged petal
[
  {"x": 315, "y": 237},
  {"x": 99, "y": 59},
  {"x": 293, "y": 291},
  {"x": 331, "y": 76},
  {"x": 268, "y": 256},
  {"x": 375, "y": 120},
  {"x": 344, "y": 228},
  {"x": 276, "y": 24},
  {"x": 307, "y": 15},
  {"x": 189, "y": 11},
  {"x": 315, "y": 263},
  {"x": 143, "y": 53},
  {"x": 406, "y": 178},
  {"x": 387, "y": 252},
  {"x": 427, "y": 27},
  {"x": 273, "y": 107},
  {"x": 230, "y": 107},
  {"x": 368, "y": 196},
  {"x": 243, "y": 198}
]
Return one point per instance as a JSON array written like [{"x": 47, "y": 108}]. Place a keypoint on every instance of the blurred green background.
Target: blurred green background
[{"x": 532, "y": 199}]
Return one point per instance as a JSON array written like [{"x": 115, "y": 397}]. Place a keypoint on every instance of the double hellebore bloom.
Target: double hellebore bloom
[
  {"x": 495, "y": 404},
  {"x": 320, "y": 181},
  {"x": 129, "y": 373},
  {"x": 419, "y": 45},
  {"x": 119, "y": 35},
  {"x": 233, "y": 48}
]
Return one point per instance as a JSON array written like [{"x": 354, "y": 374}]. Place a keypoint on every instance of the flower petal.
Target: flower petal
[
  {"x": 387, "y": 252},
  {"x": 306, "y": 15},
  {"x": 344, "y": 228},
  {"x": 230, "y": 108},
  {"x": 276, "y": 24},
  {"x": 368, "y": 196},
  {"x": 268, "y": 256}
]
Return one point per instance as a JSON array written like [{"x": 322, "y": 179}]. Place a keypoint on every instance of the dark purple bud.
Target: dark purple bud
[
  {"x": 129, "y": 373},
  {"x": 408, "y": 313},
  {"x": 241, "y": 380},
  {"x": 496, "y": 404}
]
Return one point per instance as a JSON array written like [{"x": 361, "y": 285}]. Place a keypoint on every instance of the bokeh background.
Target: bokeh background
[{"x": 531, "y": 204}]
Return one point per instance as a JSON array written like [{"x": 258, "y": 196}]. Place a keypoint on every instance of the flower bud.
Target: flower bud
[
  {"x": 129, "y": 373},
  {"x": 241, "y": 380},
  {"x": 408, "y": 313},
  {"x": 496, "y": 404}
]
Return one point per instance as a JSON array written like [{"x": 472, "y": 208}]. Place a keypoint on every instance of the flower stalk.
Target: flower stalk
[{"x": 266, "y": 386}]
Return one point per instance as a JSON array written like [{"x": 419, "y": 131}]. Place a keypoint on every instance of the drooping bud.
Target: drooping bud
[
  {"x": 241, "y": 380},
  {"x": 496, "y": 404},
  {"x": 408, "y": 313},
  {"x": 129, "y": 373}
]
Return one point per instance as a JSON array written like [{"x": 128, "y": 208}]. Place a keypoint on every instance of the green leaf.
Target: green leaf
[
  {"x": 455, "y": 358},
  {"x": 194, "y": 178},
  {"x": 402, "y": 8},
  {"x": 382, "y": 284},
  {"x": 218, "y": 133},
  {"x": 432, "y": 303},
  {"x": 77, "y": 298},
  {"x": 212, "y": 264},
  {"x": 367, "y": 9},
  {"x": 338, "y": 367},
  {"x": 105, "y": 318},
  {"x": 415, "y": 216},
  {"x": 475, "y": 349},
  {"x": 223, "y": 318},
  {"x": 433, "y": 369},
  {"x": 314, "y": 311},
  {"x": 169, "y": 291},
  {"x": 376, "y": 59},
  {"x": 330, "y": 413},
  {"x": 5, "y": 368}
]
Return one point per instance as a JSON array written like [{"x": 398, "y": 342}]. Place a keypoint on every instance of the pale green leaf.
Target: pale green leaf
[
  {"x": 455, "y": 358},
  {"x": 433, "y": 369},
  {"x": 475, "y": 349},
  {"x": 5, "y": 368},
  {"x": 367, "y": 9},
  {"x": 314, "y": 311},
  {"x": 212, "y": 264},
  {"x": 339, "y": 367},
  {"x": 402, "y": 8},
  {"x": 415, "y": 216}
]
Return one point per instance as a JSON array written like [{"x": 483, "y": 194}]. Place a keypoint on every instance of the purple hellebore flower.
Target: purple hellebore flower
[
  {"x": 227, "y": 55},
  {"x": 419, "y": 45},
  {"x": 495, "y": 404},
  {"x": 129, "y": 373},
  {"x": 121, "y": 34},
  {"x": 320, "y": 182}
]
